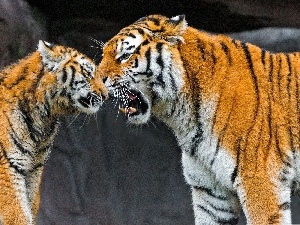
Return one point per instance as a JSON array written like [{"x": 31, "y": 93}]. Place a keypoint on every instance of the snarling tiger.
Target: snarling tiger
[
  {"x": 233, "y": 107},
  {"x": 35, "y": 91}
]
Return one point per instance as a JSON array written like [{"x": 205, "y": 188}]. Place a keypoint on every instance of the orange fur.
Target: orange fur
[
  {"x": 256, "y": 94},
  {"x": 34, "y": 93}
]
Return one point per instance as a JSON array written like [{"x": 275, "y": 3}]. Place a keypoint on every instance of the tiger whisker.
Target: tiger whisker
[
  {"x": 86, "y": 115},
  {"x": 98, "y": 42},
  {"x": 73, "y": 120}
]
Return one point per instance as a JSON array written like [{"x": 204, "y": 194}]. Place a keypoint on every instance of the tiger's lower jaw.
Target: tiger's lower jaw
[
  {"x": 136, "y": 116},
  {"x": 89, "y": 104}
]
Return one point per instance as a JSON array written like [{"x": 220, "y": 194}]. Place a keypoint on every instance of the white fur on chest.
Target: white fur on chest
[{"x": 211, "y": 163}]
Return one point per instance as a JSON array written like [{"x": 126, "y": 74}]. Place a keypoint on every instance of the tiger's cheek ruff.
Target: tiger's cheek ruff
[
  {"x": 75, "y": 86},
  {"x": 156, "y": 76}
]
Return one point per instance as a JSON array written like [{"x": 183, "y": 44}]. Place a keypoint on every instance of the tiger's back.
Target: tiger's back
[
  {"x": 232, "y": 106},
  {"x": 35, "y": 92}
]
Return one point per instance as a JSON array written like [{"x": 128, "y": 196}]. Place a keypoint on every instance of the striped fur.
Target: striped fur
[
  {"x": 233, "y": 107},
  {"x": 51, "y": 82}
]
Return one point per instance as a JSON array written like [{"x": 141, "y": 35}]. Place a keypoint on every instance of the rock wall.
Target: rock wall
[
  {"x": 101, "y": 170},
  {"x": 20, "y": 27}
]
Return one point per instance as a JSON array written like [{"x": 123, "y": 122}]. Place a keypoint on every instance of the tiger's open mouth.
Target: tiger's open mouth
[
  {"x": 132, "y": 103},
  {"x": 91, "y": 100}
]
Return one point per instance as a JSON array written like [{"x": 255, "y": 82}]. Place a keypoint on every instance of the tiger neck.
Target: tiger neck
[
  {"x": 201, "y": 57},
  {"x": 27, "y": 98},
  {"x": 182, "y": 118},
  {"x": 192, "y": 112}
]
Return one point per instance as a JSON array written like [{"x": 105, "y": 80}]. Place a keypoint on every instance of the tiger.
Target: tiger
[
  {"x": 232, "y": 106},
  {"x": 51, "y": 82}
]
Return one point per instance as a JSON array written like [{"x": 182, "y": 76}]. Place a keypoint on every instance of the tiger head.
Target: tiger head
[
  {"x": 75, "y": 86},
  {"x": 142, "y": 65}
]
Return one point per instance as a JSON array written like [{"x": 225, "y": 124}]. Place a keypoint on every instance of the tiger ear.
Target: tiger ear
[
  {"x": 45, "y": 48},
  {"x": 49, "y": 58},
  {"x": 174, "y": 28}
]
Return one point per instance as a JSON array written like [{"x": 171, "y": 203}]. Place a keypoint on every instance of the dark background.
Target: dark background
[{"x": 102, "y": 170}]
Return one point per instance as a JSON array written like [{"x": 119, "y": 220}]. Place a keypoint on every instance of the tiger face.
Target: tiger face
[
  {"x": 143, "y": 67},
  {"x": 77, "y": 88}
]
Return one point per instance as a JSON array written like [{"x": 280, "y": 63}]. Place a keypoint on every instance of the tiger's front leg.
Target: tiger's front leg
[
  {"x": 33, "y": 182},
  {"x": 215, "y": 206},
  {"x": 213, "y": 203},
  {"x": 14, "y": 205},
  {"x": 265, "y": 201}
]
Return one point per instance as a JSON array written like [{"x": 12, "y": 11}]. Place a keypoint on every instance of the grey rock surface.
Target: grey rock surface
[{"x": 20, "y": 29}]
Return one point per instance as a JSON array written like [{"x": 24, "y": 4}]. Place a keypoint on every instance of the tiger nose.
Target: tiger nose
[
  {"x": 104, "y": 91},
  {"x": 104, "y": 96}
]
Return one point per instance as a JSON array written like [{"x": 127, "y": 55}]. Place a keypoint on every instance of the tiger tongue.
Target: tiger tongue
[
  {"x": 128, "y": 110},
  {"x": 131, "y": 96}
]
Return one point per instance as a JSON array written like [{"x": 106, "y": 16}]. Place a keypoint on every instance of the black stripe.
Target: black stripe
[
  {"x": 263, "y": 57},
  {"x": 33, "y": 133},
  {"x": 238, "y": 154},
  {"x": 84, "y": 72},
  {"x": 37, "y": 81},
  {"x": 269, "y": 114},
  {"x": 285, "y": 206},
  {"x": 210, "y": 192},
  {"x": 227, "y": 52},
  {"x": 216, "y": 218},
  {"x": 289, "y": 75},
  {"x": 136, "y": 63},
  {"x": 235, "y": 42},
  {"x": 35, "y": 167},
  {"x": 201, "y": 47},
  {"x": 21, "y": 77},
  {"x": 130, "y": 47},
  {"x": 214, "y": 60},
  {"x": 197, "y": 138},
  {"x": 72, "y": 77},
  {"x": 277, "y": 145},
  {"x": 254, "y": 78},
  {"x": 255, "y": 84},
  {"x": 278, "y": 74},
  {"x": 154, "y": 20},
  {"x": 206, "y": 210},
  {"x": 141, "y": 31},
  {"x": 160, "y": 62},
  {"x": 148, "y": 58},
  {"x": 195, "y": 99},
  {"x": 65, "y": 76},
  {"x": 19, "y": 146},
  {"x": 131, "y": 35},
  {"x": 46, "y": 107},
  {"x": 271, "y": 73},
  {"x": 16, "y": 167}
]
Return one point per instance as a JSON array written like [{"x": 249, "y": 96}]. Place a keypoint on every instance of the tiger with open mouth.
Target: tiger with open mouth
[
  {"x": 233, "y": 107},
  {"x": 52, "y": 82}
]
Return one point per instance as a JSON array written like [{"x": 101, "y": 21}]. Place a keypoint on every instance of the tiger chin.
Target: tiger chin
[
  {"x": 233, "y": 107},
  {"x": 49, "y": 83}
]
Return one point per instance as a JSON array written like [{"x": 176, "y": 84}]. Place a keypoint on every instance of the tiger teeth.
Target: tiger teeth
[
  {"x": 132, "y": 110},
  {"x": 129, "y": 110},
  {"x": 123, "y": 110}
]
